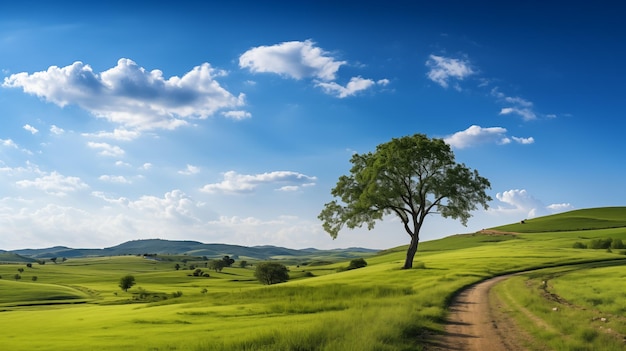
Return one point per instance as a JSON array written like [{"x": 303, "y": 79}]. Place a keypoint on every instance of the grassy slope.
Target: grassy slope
[{"x": 378, "y": 307}]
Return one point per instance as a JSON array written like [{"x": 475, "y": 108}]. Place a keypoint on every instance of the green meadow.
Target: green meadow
[{"x": 78, "y": 305}]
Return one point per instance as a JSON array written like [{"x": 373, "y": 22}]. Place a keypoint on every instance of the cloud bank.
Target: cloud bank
[{"x": 130, "y": 95}]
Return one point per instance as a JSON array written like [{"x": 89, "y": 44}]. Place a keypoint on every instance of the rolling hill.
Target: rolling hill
[{"x": 191, "y": 248}]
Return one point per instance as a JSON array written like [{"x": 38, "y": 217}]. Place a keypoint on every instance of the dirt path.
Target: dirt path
[{"x": 476, "y": 324}]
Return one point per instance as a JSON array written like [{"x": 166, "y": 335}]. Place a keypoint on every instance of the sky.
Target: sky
[{"x": 230, "y": 122}]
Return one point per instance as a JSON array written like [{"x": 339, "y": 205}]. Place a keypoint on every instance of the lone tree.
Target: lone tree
[
  {"x": 127, "y": 282},
  {"x": 410, "y": 177},
  {"x": 269, "y": 273}
]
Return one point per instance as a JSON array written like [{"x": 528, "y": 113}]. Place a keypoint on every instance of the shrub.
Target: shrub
[
  {"x": 617, "y": 244},
  {"x": 357, "y": 263},
  {"x": 579, "y": 245}
]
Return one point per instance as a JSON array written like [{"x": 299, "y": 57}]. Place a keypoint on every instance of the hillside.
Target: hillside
[
  {"x": 585, "y": 219},
  {"x": 191, "y": 248}
]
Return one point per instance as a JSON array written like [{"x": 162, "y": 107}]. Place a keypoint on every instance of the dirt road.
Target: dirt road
[{"x": 476, "y": 324}]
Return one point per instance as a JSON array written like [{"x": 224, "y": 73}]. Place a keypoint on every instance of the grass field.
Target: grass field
[{"x": 77, "y": 304}]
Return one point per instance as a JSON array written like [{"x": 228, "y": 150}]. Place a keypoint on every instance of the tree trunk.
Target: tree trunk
[{"x": 410, "y": 253}]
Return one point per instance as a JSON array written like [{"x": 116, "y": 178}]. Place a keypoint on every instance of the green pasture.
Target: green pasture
[{"x": 77, "y": 304}]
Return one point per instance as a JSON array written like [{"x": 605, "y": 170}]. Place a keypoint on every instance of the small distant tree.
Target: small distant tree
[
  {"x": 357, "y": 263},
  {"x": 126, "y": 282},
  {"x": 216, "y": 265},
  {"x": 17, "y": 277},
  {"x": 204, "y": 291},
  {"x": 21, "y": 270},
  {"x": 29, "y": 265},
  {"x": 197, "y": 272},
  {"x": 269, "y": 273},
  {"x": 228, "y": 261},
  {"x": 177, "y": 267},
  {"x": 243, "y": 264},
  {"x": 34, "y": 278},
  {"x": 579, "y": 245},
  {"x": 64, "y": 259},
  {"x": 54, "y": 259}
]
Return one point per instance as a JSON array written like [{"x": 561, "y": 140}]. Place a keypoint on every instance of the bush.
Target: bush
[
  {"x": 357, "y": 263},
  {"x": 271, "y": 273},
  {"x": 579, "y": 245},
  {"x": 617, "y": 244}
]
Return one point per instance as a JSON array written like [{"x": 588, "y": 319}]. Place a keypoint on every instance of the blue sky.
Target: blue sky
[{"x": 230, "y": 123}]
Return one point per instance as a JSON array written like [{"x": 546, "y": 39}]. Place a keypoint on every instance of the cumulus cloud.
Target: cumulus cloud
[
  {"x": 443, "y": 70},
  {"x": 475, "y": 135},
  {"x": 130, "y": 95},
  {"x": 107, "y": 149},
  {"x": 190, "y": 170},
  {"x": 302, "y": 59},
  {"x": 295, "y": 59},
  {"x": 245, "y": 183},
  {"x": 54, "y": 184},
  {"x": 520, "y": 201},
  {"x": 31, "y": 129}
]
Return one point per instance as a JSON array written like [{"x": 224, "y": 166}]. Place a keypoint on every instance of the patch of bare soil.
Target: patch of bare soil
[{"x": 476, "y": 324}]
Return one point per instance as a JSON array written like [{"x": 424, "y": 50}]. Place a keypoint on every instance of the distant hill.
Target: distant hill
[
  {"x": 10, "y": 257},
  {"x": 585, "y": 219},
  {"x": 191, "y": 248}
]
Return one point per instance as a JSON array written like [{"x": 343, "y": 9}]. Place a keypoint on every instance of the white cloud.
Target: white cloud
[
  {"x": 129, "y": 95},
  {"x": 244, "y": 183},
  {"x": 31, "y": 129},
  {"x": 561, "y": 207},
  {"x": 526, "y": 113},
  {"x": 445, "y": 69},
  {"x": 237, "y": 115},
  {"x": 56, "y": 130},
  {"x": 295, "y": 59},
  {"x": 475, "y": 135},
  {"x": 54, "y": 184},
  {"x": 8, "y": 143},
  {"x": 146, "y": 166},
  {"x": 355, "y": 85},
  {"x": 114, "y": 179},
  {"x": 190, "y": 170},
  {"x": 521, "y": 202},
  {"x": 524, "y": 141},
  {"x": 107, "y": 149},
  {"x": 116, "y": 134}
]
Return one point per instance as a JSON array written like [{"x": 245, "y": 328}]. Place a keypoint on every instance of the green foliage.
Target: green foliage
[
  {"x": 271, "y": 273},
  {"x": 357, "y": 263},
  {"x": 243, "y": 264},
  {"x": 126, "y": 282},
  {"x": 409, "y": 177},
  {"x": 579, "y": 245},
  {"x": 216, "y": 265}
]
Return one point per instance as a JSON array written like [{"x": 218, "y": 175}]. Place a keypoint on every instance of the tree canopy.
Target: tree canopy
[
  {"x": 410, "y": 177},
  {"x": 271, "y": 273},
  {"x": 126, "y": 282}
]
